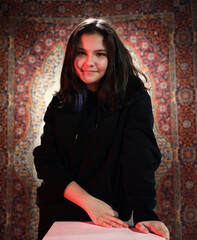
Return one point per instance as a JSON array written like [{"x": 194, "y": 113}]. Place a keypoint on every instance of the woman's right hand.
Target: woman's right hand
[{"x": 102, "y": 214}]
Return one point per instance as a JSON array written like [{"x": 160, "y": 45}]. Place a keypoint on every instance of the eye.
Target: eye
[
  {"x": 100, "y": 54},
  {"x": 81, "y": 52}
]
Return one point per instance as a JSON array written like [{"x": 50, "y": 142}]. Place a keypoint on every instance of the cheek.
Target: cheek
[{"x": 102, "y": 65}]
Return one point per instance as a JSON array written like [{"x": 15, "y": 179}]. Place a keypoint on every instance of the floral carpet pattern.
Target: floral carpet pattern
[{"x": 161, "y": 36}]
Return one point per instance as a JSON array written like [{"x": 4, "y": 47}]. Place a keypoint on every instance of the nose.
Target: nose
[{"x": 89, "y": 60}]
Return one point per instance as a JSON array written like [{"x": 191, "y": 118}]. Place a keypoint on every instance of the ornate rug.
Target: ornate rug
[{"x": 35, "y": 56}]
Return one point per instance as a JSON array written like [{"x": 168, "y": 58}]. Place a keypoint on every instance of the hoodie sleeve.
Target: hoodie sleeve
[
  {"x": 140, "y": 158},
  {"x": 48, "y": 162}
]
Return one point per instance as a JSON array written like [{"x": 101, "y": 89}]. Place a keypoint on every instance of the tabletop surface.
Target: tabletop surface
[{"x": 89, "y": 231}]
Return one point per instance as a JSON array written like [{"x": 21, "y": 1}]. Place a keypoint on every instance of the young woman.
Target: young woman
[{"x": 98, "y": 152}]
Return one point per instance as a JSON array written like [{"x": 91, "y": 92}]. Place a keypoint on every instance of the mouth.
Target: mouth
[
  {"x": 86, "y": 70},
  {"x": 89, "y": 72}
]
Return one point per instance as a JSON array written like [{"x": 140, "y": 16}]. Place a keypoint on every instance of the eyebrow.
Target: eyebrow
[{"x": 97, "y": 50}]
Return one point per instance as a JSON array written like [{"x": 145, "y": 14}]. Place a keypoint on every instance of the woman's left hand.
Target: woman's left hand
[{"x": 156, "y": 227}]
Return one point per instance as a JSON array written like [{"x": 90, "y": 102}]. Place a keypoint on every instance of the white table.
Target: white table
[{"x": 89, "y": 231}]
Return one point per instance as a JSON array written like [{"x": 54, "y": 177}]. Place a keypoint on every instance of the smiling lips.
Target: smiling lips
[{"x": 89, "y": 71}]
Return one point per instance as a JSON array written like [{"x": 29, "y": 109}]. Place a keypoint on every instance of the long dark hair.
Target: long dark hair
[{"x": 112, "y": 87}]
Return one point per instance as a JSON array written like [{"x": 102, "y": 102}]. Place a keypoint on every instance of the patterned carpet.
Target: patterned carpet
[{"x": 161, "y": 36}]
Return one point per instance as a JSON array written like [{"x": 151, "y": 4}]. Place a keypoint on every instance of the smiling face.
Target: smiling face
[{"x": 91, "y": 60}]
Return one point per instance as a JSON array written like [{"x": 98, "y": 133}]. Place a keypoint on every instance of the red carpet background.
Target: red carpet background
[{"x": 161, "y": 36}]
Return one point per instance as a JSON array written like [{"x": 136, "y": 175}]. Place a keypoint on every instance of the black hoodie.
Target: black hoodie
[{"x": 113, "y": 156}]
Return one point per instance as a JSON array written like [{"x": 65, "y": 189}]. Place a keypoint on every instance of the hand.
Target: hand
[
  {"x": 102, "y": 214},
  {"x": 156, "y": 227}
]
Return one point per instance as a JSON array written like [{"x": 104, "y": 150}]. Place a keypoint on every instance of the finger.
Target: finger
[
  {"x": 101, "y": 222},
  {"x": 140, "y": 226},
  {"x": 105, "y": 224},
  {"x": 162, "y": 232},
  {"x": 158, "y": 228},
  {"x": 118, "y": 222},
  {"x": 113, "y": 224}
]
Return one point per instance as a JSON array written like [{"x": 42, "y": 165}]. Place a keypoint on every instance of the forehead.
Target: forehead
[{"x": 93, "y": 40}]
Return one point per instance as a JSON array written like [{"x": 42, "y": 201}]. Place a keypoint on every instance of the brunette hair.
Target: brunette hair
[{"x": 112, "y": 87}]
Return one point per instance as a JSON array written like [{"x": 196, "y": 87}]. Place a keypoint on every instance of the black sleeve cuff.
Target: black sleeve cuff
[{"x": 144, "y": 214}]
